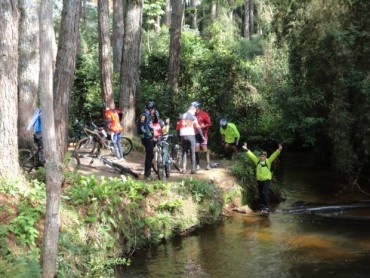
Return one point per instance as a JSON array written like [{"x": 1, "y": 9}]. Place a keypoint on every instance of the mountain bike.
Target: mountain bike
[
  {"x": 32, "y": 159},
  {"x": 75, "y": 134},
  {"x": 166, "y": 155},
  {"x": 98, "y": 136},
  {"x": 108, "y": 162}
]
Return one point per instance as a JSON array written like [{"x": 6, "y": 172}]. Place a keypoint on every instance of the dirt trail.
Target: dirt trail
[{"x": 135, "y": 160}]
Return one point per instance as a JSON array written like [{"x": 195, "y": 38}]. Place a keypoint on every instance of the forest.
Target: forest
[{"x": 290, "y": 71}]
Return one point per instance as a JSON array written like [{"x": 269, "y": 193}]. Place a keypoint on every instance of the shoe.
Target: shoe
[
  {"x": 208, "y": 167},
  {"x": 193, "y": 172},
  {"x": 265, "y": 210},
  {"x": 148, "y": 178},
  {"x": 183, "y": 171},
  {"x": 198, "y": 167}
]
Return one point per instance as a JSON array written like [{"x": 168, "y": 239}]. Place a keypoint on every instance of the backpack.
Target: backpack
[{"x": 138, "y": 124}]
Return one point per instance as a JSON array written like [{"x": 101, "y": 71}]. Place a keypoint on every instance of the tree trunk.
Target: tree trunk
[
  {"x": 193, "y": 15},
  {"x": 251, "y": 17},
  {"x": 105, "y": 53},
  {"x": 177, "y": 18},
  {"x": 167, "y": 14},
  {"x": 54, "y": 172},
  {"x": 64, "y": 70},
  {"x": 9, "y": 24},
  {"x": 213, "y": 10},
  {"x": 246, "y": 26},
  {"x": 117, "y": 36},
  {"x": 29, "y": 67},
  {"x": 130, "y": 63}
]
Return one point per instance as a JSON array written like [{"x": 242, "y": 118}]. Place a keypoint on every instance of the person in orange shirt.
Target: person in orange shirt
[{"x": 113, "y": 124}]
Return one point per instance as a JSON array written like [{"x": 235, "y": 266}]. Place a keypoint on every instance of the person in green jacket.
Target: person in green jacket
[
  {"x": 263, "y": 173},
  {"x": 230, "y": 137}
]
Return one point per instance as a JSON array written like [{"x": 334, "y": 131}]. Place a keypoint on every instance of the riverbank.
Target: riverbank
[{"x": 106, "y": 217}]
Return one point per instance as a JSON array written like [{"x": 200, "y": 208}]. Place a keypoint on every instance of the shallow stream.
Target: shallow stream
[{"x": 281, "y": 245}]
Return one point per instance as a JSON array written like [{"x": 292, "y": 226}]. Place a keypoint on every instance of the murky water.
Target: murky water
[{"x": 281, "y": 245}]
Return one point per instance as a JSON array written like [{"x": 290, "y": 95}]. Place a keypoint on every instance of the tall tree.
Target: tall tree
[
  {"x": 193, "y": 14},
  {"x": 251, "y": 17},
  {"x": 246, "y": 26},
  {"x": 29, "y": 67},
  {"x": 213, "y": 7},
  {"x": 117, "y": 35},
  {"x": 65, "y": 68},
  {"x": 54, "y": 172},
  {"x": 105, "y": 53},
  {"x": 9, "y": 21},
  {"x": 130, "y": 63},
  {"x": 167, "y": 14},
  {"x": 177, "y": 18}
]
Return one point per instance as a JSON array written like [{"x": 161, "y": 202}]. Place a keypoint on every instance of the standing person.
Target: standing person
[
  {"x": 204, "y": 121},
  {"x": 114, "y": 126},
  {"x": 263, "y": 173},
  {"x": 160, "y": 127},
  {"x": 36, "y": 123},
  {"x": 187, "y": 126},
  {"x": 230, "y": 137},
  {"x": 145, "y": 128}
]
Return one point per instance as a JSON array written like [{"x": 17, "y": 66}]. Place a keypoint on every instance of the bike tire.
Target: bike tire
[
  {"x": 167, "y": 169},
  {"x": 73, "y": 163},
  {"x": 27, "y": 160},
  {"x": 124, "y": 170},
  {"x": 126, "y": 144},
  {"x": 177, "y": 159},
  {"x": 85, "y": 146},
  {"x": 160, "y": 167}
]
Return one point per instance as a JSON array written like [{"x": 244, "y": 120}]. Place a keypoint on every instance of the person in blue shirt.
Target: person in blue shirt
[
  {"x": 146, "y": 130},
  {"x": 36, "y": 123}
]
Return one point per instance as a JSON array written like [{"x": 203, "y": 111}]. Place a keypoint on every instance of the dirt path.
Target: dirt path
[{"x": 135, "y": 160}]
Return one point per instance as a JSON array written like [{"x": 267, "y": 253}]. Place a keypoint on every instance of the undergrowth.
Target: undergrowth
[{"x": 103, "y": 221}]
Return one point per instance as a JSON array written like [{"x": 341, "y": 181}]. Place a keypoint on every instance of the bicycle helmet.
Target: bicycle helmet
[
  {"x": 195, "y": 104},
  {"x": 223, "y": 123},
  {"x": 150, "y": 105}
]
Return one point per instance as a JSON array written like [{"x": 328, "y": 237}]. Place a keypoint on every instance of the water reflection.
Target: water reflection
[{"x": 281, "y": 245}]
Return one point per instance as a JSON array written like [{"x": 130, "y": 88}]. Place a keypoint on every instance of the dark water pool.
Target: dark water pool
[{"x": 281, "y": 245}]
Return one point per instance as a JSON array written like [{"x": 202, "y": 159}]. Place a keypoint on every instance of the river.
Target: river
[{"x": 280, "y": 245}]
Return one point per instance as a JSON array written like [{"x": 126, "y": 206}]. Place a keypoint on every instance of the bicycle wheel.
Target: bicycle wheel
[
  {"x": 177, "y": 157},
  {"x": 73, "y": 162},
  {"x": 85, "y": 146},
  {"x": 126, "y": 144},
  {"x": 124, "y": 170},
  {"x": 167, "y": 169},
  {"x": 160, "y": 166},
  {"x": 107, "y": 149},
  {"x": 27, "y": 160}
]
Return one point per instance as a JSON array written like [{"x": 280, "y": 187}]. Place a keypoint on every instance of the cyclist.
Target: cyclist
[
  {"x": 36, "y": 123},
  {"x": 204, "y": 121},
  {"x": 112, "y": 120},
  {"x": 160, "y": 127},
  {"x": 145, "y": 126},
  {"x": 187, "y": 126},
  {"x": 230, "y": 137},
  {"x": 263, "y": 173}
]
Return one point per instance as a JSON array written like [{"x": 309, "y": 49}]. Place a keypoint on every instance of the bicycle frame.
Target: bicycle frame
[{"x": 164, "y": 159}]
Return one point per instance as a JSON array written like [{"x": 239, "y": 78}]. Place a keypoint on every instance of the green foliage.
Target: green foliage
[
  {"x": 329, "y": 64},
  {"x": 22, "y": 265},
  {"x": 23, "y": 226},
  {"x": 152, "y": 10},
  {"x": 170, "y": 205},
  {"x": 244, "y": 171}
]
